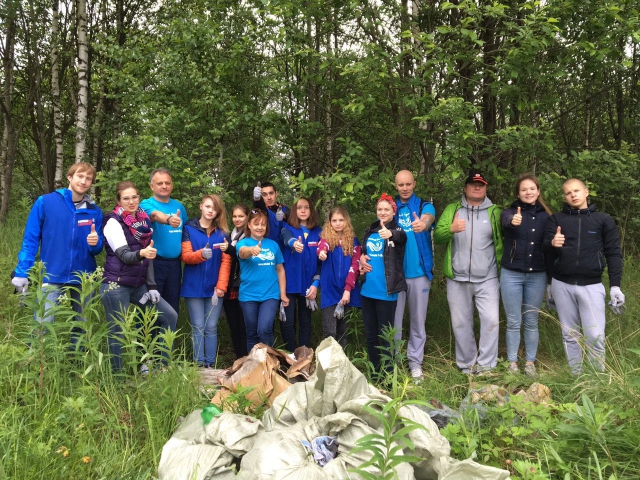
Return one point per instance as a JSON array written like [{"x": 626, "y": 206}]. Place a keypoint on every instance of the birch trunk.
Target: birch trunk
[
  {"x": 83, "y": 81},
  {"x": 55, "y": 91}
]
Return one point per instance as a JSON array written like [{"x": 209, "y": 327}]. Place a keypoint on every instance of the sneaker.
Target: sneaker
[
  {"x": 513, "y": 368},
  {"x": 416, "y": 374},
  {"x": 530, "y": 370},
  {"x": 480, "y": 371},
  {"x": 144, "y": 369}
]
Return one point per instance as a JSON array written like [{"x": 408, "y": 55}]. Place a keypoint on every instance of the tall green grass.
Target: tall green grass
[{"x": 61, "y": 407}]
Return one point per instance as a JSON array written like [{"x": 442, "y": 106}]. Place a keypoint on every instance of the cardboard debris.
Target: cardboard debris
[{"x": 265, "y": 369}]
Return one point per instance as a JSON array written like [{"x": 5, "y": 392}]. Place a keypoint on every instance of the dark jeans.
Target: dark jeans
[
  {"x": 116, "y": 301},
  {"x": 258, "y": 318},
  {"x": 235, "y": 318},
  {"x": 334, "y": 327},
  {"x": 288, "y": 329},
  {"x": 376, "y": 314},
  {"x": 168, "y": 273}
]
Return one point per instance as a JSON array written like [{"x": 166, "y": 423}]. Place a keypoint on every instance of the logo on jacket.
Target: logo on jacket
[{"x": 87, "y": 222}]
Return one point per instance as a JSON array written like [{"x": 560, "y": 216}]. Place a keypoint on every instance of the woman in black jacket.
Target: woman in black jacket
[
  {"x": 523, "y": 279},
  {"x": 382, "y": 275}
]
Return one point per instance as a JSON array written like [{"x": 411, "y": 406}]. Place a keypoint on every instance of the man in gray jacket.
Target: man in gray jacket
[{"x": 471, "y": 230}]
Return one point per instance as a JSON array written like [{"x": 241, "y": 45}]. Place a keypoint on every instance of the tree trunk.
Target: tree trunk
[
  {"x": 55, "y": 92},
  {"x": 83, "y": 80}
]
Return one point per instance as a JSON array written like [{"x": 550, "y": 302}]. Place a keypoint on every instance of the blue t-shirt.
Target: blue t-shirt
[
  {"x": 412, "y": 265},
  {"x": 258, "y": 276},
  {"x": 166, "y": 239},
  {"x": 375, "y": 285}
]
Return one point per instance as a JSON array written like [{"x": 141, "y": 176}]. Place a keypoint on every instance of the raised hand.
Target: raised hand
[
  {"x": 298, "y": 246},
  {"x": 175, "y": 221},
  {"x": 92, "y": 238},
  {"x": 558, "y": 239},
  {"x": 417, "y": 224},
  {"x": 322, "y": 255},
  {"x": 384, "y": 232},
  {"x": 255, "y": 250},
  {"x": 517, "y": 218},
  {"x": 458, "y": 225},
  {"x": 149, "y": 252},
  {"x": 224, "y": 245},
  {"x": 206, "y": 252},
  {"x": 280, "y": 214},
  {"x": 257, "y": 192}
]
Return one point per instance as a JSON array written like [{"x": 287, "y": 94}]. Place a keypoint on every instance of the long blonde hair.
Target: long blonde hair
[
  {"x": 331, "y": 236},
  {"x": 220, "y": 221}
]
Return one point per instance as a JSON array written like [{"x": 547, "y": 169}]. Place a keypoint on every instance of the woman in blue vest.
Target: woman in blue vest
[
  {"x": 128, "y": 268},
  {"x": 300, "y": 238},
  {"x": 523, "y": 280},
  {"x": 206, "y": 276}
]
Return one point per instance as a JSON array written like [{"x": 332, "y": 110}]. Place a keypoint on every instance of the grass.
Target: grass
[{"x": 64, "y": 414}]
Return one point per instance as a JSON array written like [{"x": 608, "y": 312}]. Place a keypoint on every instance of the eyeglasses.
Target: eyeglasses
[{"x": 135, "y": 198}]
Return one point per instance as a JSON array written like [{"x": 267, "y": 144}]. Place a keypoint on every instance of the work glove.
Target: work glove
[
  {"x": 206, "y": 252},
  {"x": 283, "y": 316},
  {"x": 20, "y": 283},
  {"x": 312, "y": 305},
  {"x": 617, "y": 301},
  {"x": 339, "y": 311},
  {"x": 279, "y": 214},
  {"x": 154, "y": 296},
  {"x": 257, "y": 192},
  {"x": 551, "y": 303},
  {"x": 214, "y": 300}
]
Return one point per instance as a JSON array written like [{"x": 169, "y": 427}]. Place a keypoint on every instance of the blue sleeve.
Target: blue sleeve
[
  {"x": 98, "y": 247},
  {"x": 147, "y": 206},
  {"x": 31, "y": 240}
]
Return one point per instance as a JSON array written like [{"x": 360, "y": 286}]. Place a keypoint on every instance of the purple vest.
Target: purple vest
[{"x": 134, "y": 275}]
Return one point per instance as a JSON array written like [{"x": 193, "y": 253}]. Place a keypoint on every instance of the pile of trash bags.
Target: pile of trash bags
[{"x": 312, "y": 422}]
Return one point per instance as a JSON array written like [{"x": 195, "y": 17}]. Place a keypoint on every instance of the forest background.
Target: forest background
[{"x": 328, "y": 100}]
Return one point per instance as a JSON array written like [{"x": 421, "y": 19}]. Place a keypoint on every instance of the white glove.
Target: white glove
[
  {"x": 283, "y": 316},
  {"x": 206, "y": 252},
  {"x": 279, "y": 214},
  {"x": 312, "y": 305},
  {"x": 20, "y": 283},
  {"x": 339, "y": 311},
  {"x": 214, "y": 300},
  {"x": 154, "y": 296},
  {"x": 617, "y": 301},
  {"x": 257, "y": 192}
]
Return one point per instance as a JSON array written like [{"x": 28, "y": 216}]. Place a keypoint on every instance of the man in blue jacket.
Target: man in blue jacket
[
  {"x": 265, "y": 198},
  {"x": 63, "y": 226},
  {"x": 416, "y": 218}
]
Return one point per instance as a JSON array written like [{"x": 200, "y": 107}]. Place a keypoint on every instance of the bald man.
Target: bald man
[{"x": 416, "y": 217}]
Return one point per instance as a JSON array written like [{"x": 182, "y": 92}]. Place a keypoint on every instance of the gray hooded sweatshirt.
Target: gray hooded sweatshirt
[{"x": 473, "y": 255}]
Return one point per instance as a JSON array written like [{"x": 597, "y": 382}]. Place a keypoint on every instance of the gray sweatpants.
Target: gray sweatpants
[
  {"x": 581, "y": 305},
  {"x": 418, "y": 295},
  {"x": 487, "y": 299}
]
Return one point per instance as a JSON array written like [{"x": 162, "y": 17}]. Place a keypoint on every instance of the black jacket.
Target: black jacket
[
  {"x": 523, "y": 244},
  {"x": 393, "y": 255},
  {"x": 591, "y": 242}
]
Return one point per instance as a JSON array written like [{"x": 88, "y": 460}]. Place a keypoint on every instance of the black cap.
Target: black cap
[{"x": 475, "y": 176}]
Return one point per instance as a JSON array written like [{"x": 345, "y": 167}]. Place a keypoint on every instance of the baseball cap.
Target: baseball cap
[{"x": 475, "y": 176}]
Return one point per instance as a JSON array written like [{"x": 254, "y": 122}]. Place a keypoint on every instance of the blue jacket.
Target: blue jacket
[
  {"x": 60, "y": 232},
  {"x": 334, "y": 274},
  {"x": 523, "y": 244},
  {"x": 423, "y": 239},
  {"x": 302, "y": 269},
  {"x": 200, "y": 277}
]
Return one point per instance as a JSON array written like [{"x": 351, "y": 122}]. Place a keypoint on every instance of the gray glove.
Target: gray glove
[
  {"x": 154, "y": 296},
  {"x": 214, "y": 300},
  {"x": 617, "y": 301},
  {"x": 279, "y": 214},
  {"x": 20, "y": 283},
  {"x": 206, "y": 252},
  {"x": 257, "y": 192},
  {"x": 339, "y": 311},
  {"x": 312, "y": 305},
  {"x": 551, "y": 303},
  {"x": 283, "y": 316}
]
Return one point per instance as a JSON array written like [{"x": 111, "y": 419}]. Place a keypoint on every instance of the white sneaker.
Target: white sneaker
[
  {"x": 144, "y": 369},
  {"x": 416, "y": 374}
]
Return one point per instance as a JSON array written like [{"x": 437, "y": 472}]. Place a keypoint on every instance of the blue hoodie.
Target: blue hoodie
[
  {"x": 60, "y": 232},
  {"x": 302, "y": 269}
]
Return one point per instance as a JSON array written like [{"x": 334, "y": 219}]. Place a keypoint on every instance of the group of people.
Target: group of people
[{"x": 277, "y": 262}]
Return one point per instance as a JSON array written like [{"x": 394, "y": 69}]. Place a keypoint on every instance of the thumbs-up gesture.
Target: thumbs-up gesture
[
  {"x": 298, "y": 246},
  {"x": 206, "y": 252},
  {"x": 458, "y": 225},
  {"x": 257, "y": 192},
  {"x": 384, "y": 231},
  {"x": 517, "y": 218},
  {"x": 322, "y": 254},
  {"x": 224, "y": 245},
  {"x": 149, "y": 252},
  {"x": 92, "y": 238},
  {"x": 558, "y": 239},
  {"x": 417, "y": 225},
  {"x": 280, "y": 214},
  {"x": 255, "y": 250},
  {"x": 175, "y": 221}
]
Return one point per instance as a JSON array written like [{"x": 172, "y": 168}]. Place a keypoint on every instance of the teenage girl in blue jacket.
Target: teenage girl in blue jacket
[
  {"x": 206, "y": 276},
  {"x": 300, "y": 238},
  {"x": 340, "y": 251}
]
